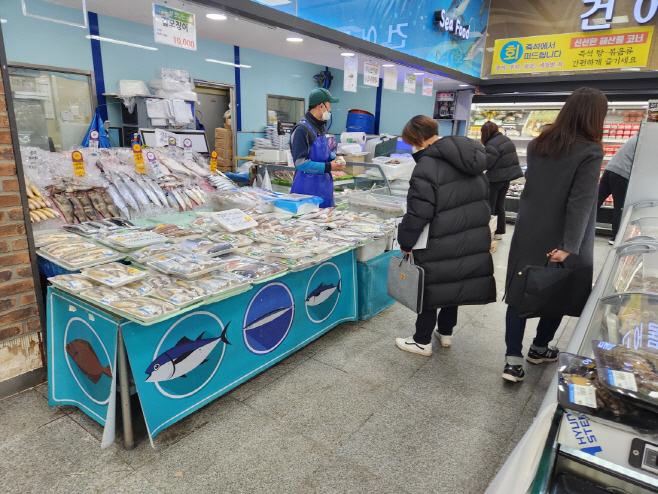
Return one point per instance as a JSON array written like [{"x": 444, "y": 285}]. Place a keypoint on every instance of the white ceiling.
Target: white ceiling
[{"x": 245, "y": 33}]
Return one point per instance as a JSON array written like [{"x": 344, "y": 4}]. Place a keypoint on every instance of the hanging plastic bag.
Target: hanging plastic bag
[{"x": 97, "y": 125}]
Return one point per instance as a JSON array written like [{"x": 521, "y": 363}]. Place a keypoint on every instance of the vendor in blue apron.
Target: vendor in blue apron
[{"x": 311, "y": 154}]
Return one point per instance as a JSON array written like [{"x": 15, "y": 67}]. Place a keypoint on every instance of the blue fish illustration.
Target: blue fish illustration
[
  {"x": 267, "y": 318},
  {"x": 183, "y": 357},
  {"x": 322, "y": 293}
]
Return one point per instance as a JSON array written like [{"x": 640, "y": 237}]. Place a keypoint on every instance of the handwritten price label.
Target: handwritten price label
[
  {"x": 139, "y": 159},
  {"x": 213, "y": 162},
  {"x": 78, "y": 164},
  {"x": 174, "y": 27}
]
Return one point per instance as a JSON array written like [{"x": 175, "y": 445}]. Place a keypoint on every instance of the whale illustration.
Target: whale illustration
[
  {"x": 321, "y": 293},
  {"x": 183, "y": 357}
]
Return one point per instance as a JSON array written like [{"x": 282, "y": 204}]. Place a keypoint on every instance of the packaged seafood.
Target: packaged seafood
[
  {"x": 152, "y": 251},
  {"x": 88, "y": 255},
  {"x": 83, "y": 229},
  {"x": 287, "y": 252},
  {"x": 221, "y": 282},
  {"x": 580, "y": 389},
  {"x": 107, "y": 295},
  {"x": 114, "y": 274},
  {"x": 630, "y": 374},
  {"x": 201, "y": 222},
  {"x": 133, "y": 240},
  {"x": 43, "y": 239},
  {"x": 253, "y": 251},
  {"x": 143, "y": 308},
  {"x": 180, "y": 293},
  {"x": 166, "y": 228},
  {"x": 253, "y": 269},
  {"x": 149, "y": 282},
  {"x": 64, "y": 246},
  {"x": 122, "y": 222},
  {"x": 74, "y": 283},
  {"x": 184, "y": 264},
  {"x": 234, "y": 239},
  {"x": 205, "y": 247},
  {"x": 185, "y": 234}
]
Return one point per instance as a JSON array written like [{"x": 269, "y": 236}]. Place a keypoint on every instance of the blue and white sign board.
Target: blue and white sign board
[
  {"x": 82, "y": 346},
  {"x": 181, "y": 364},
  {"x": 451, "y": 33}
]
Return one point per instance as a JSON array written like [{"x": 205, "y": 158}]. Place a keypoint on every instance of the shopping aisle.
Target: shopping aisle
[{"x": 348, "y": 413}]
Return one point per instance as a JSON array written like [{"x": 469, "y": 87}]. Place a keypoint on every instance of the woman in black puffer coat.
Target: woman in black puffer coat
[
  {"x": 503, "y": 166},
  {"x": 448, "y": 191}
]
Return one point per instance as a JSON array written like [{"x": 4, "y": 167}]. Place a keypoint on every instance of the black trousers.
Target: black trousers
[
  {"x": 427, "y": 320},
  {"x": 515, "y": 328},
  {"x": 497, "y": 193},
  {"x": 612, "y": 183}
]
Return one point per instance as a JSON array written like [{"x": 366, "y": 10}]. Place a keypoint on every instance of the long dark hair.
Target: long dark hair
[
  {"x": 488, "y": 130},
  {"x": 581, "y": 117}
]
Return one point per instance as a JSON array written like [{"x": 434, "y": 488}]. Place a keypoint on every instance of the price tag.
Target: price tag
[
  {"x": 172, "y": 147},
  {"x": 174, "y": 27},
  {"x": 621, "y": 379},
  {"x": 187, "y": 146},
  {"x": 32, "y": 160},
  {"x": 93, "y": 139},
  {"x": 234, "y": 220},
  {"x": 139, "y": 158},
  {"x": 213, "y": 162},
  {"x": 78, "y": 164},
  {"x": 582, "y": 395},
  {"x": 155, "y": 166}
]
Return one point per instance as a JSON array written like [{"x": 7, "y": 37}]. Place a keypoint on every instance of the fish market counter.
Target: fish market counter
[{"x": 182, "y": 363}]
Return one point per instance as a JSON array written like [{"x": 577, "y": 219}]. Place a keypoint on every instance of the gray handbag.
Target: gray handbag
[{"x": 406, "y": 282}]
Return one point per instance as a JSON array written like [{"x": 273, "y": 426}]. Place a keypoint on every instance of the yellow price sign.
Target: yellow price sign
[
  {"x": 78, "y": 164},
  {"x": 213, "y": 162},
  {"x": 611, "y": 49},
  {"x": 139, "y": 159}
]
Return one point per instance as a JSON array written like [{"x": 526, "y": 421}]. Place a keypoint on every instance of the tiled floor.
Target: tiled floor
[{"x": 348, "y": 414}]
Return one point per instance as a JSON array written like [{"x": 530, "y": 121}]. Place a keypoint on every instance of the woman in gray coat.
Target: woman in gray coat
[{"x": 557, "y": 214}]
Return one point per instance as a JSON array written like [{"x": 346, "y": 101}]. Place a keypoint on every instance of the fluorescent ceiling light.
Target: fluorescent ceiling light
[
  {"x": 3, "y": 21},
  {"x": 347, "y": 54},
  {"x": 419, "y": 73},
  {"x": 464, "y": 85},
  {"x": 216, "y": 17},
  {"x": 228, "y": 63},
  {"x": 295, "y": 40},
  {"x": 388, "y": 65},
  {"x": 273, "y": 3},
  {"x": 118, "y": 42}
]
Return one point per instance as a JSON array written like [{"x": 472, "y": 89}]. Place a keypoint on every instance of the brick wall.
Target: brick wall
[{"x": 19, "y": 315}]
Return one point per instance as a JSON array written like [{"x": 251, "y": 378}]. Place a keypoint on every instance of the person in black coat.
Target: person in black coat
[
  {"x": 557, "y": 218},
  {"x": 502, "y": 167},
  {"x": 449, "y": 194}
]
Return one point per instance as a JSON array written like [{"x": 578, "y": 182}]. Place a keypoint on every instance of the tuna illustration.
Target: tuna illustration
[
  {"x": 321, "y": 293},
  {"x": 183, "y": 357},
  {"x": 83, "y": 354},
  {"x": 267, "y": 318}
]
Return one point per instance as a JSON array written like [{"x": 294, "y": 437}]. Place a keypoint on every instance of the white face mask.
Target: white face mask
[{"x": 326, "y": 115}]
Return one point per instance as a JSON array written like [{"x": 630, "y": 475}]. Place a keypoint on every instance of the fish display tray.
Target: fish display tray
[
  {"x": 57, "y": 231},
  {"x": 147, "y": 238},
  {"x": 77, "y": 267},
  {"x": 68, "y": 289},
  {"x": 180, "y": 305},
  {"x": 192, "y": 276},
  {"x": 130, "y": 279},
  {"x": 371, "y": 250}
]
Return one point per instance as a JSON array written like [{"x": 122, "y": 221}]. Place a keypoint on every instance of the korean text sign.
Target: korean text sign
[
  {"x": 612, "y": 49},
  {"x": 174, "y": 27}
]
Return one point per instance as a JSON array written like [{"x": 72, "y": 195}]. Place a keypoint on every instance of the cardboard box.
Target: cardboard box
[
  {"x": 226, "y": 154},
  {"x": 354, "y": 169}
]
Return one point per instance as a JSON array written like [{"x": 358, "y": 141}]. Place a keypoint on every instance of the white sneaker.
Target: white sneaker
[
  {"x": 445, "y": 340},
  {"x": 409, "y": 345},
  {"x": 497, "y": 237}
]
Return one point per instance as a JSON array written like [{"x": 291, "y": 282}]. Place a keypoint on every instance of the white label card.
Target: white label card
[
  {"x": 582, "y": 395},
  {"x": 350, "y": 74},
  {"x": 621, "y": 379},
  {"x": 371, "y": 74},
  {"x": 174, "y": 27},
  {"x": 410, "y": 83}
]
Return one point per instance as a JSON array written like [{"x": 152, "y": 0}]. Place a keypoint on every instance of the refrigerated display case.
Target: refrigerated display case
[
  {"x": 609, "y": 444},
  {"x": 524, "y": 121}
]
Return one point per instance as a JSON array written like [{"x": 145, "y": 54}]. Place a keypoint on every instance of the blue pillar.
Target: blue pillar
[
  {"x": 97, "y": 58},
  {"x": 378, "y": 105},
  {"x": 238, "y": 101}
]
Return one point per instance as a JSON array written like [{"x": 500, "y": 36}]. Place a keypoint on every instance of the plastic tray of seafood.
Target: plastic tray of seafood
[
  {"x": 152, "y": 251},
  {"x": 184, "y": 264},
  {"x": 580, "y": 389},
  {"x": 42, "y": 239},
  {"x": 73, "y": 283},
  {"x": 629, "y": 373},
  {"x": 131, "y": 240},
  {"x": 106, "y": 295},
  {"x": 206, "y": 247},
  {"x": 181, "y": 293},
  {"x": 143, "y": 309},
  {"x": 234, "y": 239},
  {"x": 78, "y": 254},
  {"x": 222, "y": 282},
  {"x": 254, "y": 269},
  {"x": 149, "y": 282},
  {"x": 114, "y": 274},
  {"x": 185, "y": 234}
]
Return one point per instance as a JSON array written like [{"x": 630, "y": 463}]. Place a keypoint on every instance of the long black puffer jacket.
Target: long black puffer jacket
[
  {"x": 502, "y": 160},
  {"x": 449, "y": 190}
]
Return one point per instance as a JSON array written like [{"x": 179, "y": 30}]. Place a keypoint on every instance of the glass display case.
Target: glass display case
[
  {"x": 523, "y": 122},
  {"x": 642, "y": 223}
]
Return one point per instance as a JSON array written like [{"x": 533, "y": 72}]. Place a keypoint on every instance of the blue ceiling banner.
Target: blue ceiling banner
[{"x": 451, "y": 33}]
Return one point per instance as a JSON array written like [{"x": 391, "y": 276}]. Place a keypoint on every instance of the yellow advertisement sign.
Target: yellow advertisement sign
[{"x": 611, "y": 49}]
